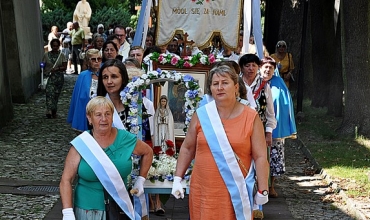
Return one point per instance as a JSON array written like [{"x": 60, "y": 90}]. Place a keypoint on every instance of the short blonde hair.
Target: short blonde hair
[
  {"x": 132, "y": 72},
  {"x": 91, "y": 52},
  {"x": 98, "y": 101}
]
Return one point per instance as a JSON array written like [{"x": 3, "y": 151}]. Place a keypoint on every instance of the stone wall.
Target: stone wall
[{"x": 21, "y": 50}]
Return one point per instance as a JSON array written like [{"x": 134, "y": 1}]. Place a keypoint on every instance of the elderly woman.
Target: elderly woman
[
  {"x": 285, "y": 128},
  {"x": 113, "y": 78},
  {"x": 101, "y": 160},
  {"x": 249, "y": 64},
  {"x": 98, "y": 42},
  {"x": 85, "y": 88},
  {"x": 55, "y": 66},
  {"x": 110, "y": 51},
  {"x": 284, "y": 61},
  {"x": 218, "y": 188}
]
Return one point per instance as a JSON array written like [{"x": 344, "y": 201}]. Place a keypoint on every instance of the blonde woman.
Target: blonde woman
[{"x": 85, "y": 88}]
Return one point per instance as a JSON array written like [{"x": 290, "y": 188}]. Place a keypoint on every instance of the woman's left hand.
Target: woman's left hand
[
  {"x": 260, "y": 199},
  {"x": 268, "y": 136}
]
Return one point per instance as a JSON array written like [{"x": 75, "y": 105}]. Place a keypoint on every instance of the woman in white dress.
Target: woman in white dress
[{"x": 164, "y": 125}]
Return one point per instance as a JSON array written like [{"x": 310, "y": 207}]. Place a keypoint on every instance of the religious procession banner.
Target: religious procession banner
[{"x": 200, "y": 19}]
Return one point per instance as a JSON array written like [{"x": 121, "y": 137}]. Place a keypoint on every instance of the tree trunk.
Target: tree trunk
[
  {"x": 283, "y": 21},
  {"x": 356, "y": 56},
  {"x": 323, "y": 33},
  {"x": 272, "y": 24},
  {"x": 335, "y": 106}
]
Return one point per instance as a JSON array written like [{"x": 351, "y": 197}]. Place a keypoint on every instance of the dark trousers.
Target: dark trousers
[{"x": 76, "y": 49}]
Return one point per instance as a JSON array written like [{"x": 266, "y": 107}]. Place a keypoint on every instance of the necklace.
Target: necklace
[{"x": 232, "y": 110}]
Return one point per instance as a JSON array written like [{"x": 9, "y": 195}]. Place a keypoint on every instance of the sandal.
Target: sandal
[
  {"x": 159, "y": 211},
  {"x": 272, "y": 193},
  {"x": 258, "y": 214}
]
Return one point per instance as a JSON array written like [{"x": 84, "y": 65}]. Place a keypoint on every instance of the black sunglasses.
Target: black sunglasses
[
  {"x": 283, "y": 46},
  {"x": 96, "y": 59}
]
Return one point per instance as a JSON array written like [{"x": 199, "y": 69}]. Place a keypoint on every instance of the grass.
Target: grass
[{"x": 345, "y": 159}]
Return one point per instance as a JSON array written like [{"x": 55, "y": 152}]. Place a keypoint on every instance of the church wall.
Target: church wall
[
  {"x": 23, "y": 46},
  {"x": 6, "y": 107},
  {"x": 21, "y": 51}
]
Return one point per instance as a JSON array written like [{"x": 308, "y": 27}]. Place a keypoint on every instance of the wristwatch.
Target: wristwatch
[{"x": 264, "y": 192}]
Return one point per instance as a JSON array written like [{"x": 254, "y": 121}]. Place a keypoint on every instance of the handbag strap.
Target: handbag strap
[{"x": 241, "y": 163}]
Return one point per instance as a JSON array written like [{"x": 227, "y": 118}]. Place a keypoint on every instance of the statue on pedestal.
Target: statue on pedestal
[
  {"x": 164, "y": 125},
  {"x": 82, "y": 15}
]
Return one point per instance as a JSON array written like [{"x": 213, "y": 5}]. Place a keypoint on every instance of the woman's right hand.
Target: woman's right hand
[{"x": 68, "y": 214}]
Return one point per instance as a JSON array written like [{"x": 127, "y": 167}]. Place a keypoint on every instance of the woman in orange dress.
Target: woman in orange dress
[{"x": 223, "y": 158}]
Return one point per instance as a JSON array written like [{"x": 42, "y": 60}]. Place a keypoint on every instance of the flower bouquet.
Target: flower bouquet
[{"x": 163, "y": 165}]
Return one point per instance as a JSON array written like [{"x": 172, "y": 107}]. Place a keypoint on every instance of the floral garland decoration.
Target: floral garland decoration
[
  {"x": 179, "y": 62},
  {"x": 131, "y": 93}
]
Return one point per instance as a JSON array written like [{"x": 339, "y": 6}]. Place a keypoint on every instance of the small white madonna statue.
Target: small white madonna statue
[
  {"x": 163, "y": 124},
  {"x": 82, "y": 13}
]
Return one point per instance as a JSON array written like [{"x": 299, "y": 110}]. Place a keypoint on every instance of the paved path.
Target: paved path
[{"x": 33, "y": 150}]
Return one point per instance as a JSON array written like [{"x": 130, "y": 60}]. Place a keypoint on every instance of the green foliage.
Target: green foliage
[
  {"x": 106, "y": 16},
  {"x": 58, "y": 17},
  {"x": 70, "y": 5}
]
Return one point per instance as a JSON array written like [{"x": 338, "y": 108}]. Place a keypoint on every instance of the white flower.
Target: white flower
[
  {"x": 144, "y": 76},
  {"x": 203, "y": 60},
  {"x": 147, "y": 58}
]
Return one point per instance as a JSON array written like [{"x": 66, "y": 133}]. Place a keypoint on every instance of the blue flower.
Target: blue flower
[
  {"x": 133, "y": 105},
  {"x": 135, "y": 78},
  {"x": 192, "y": 93},
  {"x": 158, "y": 70},
  {"x": 188, "y": 78},
  {"x": 169, "y": 177},
  {"x": 123, "y": 93},
  {"x": 126, "y": 89}
]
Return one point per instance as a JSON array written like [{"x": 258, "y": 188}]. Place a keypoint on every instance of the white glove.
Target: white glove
[
  {"x": 139, "y": 186},
  {"x": 177, "y": 190},
  {"x": 260, "y": 199},
  {"x": 68, "y": 214}
]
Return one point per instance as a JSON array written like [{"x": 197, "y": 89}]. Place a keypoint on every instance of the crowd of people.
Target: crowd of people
[{"x": 249, "y": 96}]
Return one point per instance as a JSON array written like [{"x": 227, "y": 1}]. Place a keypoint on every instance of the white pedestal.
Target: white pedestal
[{"x": 165, "y": 187}]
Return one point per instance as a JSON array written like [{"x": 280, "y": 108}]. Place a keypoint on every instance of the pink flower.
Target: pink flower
[
  {"x": 187, "y": 64},
  {"x": 211, "y": 58},
  {"x": 186, "y": 58},
  {"x": 160, "y": 58},
  {"x": 174, "y": 60}
]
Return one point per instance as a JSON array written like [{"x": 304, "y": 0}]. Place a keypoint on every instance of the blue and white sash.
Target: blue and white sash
[
  {"x": 140, "y": 202},
  {"x": 117, "y": 122},
  {"x": 226, "y": 161},
  {"x": 106, "y": 172}
]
